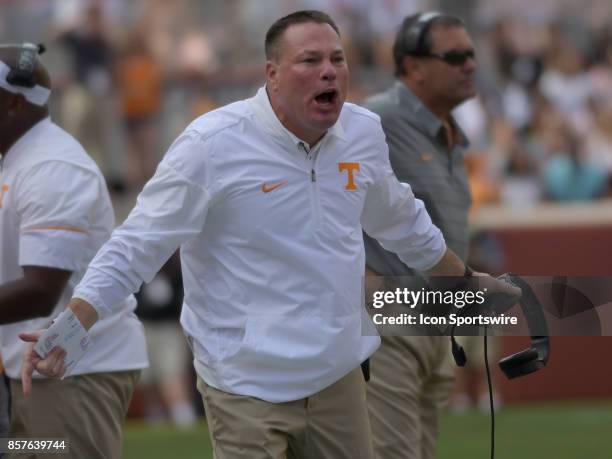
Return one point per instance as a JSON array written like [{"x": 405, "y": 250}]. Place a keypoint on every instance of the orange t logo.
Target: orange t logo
[
  {"x": 3, "y": 190},
  {"x": 350, "y": 168}
]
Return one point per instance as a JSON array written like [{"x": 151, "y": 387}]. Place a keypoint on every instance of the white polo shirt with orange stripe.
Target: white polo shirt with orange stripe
[
  {"x": 55, "y": 212},
  {"x": 271, "y": 245}
]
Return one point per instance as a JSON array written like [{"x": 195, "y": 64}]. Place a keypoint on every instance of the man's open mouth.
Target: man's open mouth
[{"x": 328, "y": 97}]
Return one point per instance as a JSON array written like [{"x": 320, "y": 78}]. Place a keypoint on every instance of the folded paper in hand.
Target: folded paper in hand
[{"x": 68, "y": 333}]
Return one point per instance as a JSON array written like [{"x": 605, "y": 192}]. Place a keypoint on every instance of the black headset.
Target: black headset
[
  {"x": 414, "y": 39},
  {"x": 528, "y": 360},
  {"x": 23, "y": 73}
]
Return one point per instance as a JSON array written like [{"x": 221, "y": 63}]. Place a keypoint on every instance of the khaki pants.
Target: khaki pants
[
  {"x": 411, "y": 380},
  {"x": 86, "y": 410},
  {"x": 332, "y": 424}
]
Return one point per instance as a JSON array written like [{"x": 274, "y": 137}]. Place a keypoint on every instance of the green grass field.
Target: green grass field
[{"x": 547, "y": 431}]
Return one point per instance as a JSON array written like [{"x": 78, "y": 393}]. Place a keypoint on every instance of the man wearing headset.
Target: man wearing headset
[
  {"x": 55, "y": 212},
  {"x": 412, "y": 376}
]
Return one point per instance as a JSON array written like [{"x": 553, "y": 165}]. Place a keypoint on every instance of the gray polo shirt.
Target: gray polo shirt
[{"x": 420, "y": 156}]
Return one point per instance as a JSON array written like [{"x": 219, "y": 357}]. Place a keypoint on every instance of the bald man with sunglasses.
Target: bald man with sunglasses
[{"x": 412, "y": 376}]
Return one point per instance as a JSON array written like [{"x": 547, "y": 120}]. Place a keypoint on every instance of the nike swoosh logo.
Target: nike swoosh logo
[
  {"x": 266, "y": 189},
  {"x": 426, "y": 157}
]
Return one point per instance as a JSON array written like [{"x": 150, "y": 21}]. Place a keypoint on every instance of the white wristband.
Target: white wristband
[{"x": 68, "y": 333}]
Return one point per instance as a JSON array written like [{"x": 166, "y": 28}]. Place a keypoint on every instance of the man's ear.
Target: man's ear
[
  {"x": 272, "y": 75},
  {"x": 413, "y": 68}
]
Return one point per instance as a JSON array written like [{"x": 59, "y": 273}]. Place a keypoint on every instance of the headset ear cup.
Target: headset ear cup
[
  {"x": 536, "y": 356},
  {"x": 522, "y": 363}
]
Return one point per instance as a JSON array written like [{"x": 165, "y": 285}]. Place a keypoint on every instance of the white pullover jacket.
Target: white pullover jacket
[{"x": 271, "y": 245}]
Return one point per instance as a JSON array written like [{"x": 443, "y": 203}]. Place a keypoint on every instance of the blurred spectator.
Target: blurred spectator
[
  {"x": 194, "y": 63},
  {"x": 520, "y": 186},
  {"x": 515, "y": 52},
  {"x": 139, "y": 82},
  {"x": 559, "y": 154},
  {"x": 512, "y": 167},
  {"x": 482, "y": 188},
  {"x": 567, "y": 84},
  {"x": 471, "y": 115},
  {"x": 87, "y": 108},
  {"x": 165, "y": 383},
  {"x": 599, "y": 141},
  {"x": 567, "y": 174}
]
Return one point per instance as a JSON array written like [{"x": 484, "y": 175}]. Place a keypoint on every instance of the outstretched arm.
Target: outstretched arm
[{"x": 171, "y": 209}]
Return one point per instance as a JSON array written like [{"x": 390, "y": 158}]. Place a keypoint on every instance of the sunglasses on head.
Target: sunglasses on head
[{"x": 453, "y": 57}]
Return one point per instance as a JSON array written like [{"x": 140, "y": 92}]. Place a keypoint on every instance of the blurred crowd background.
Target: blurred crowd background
[{"x": 128, "y": 76}]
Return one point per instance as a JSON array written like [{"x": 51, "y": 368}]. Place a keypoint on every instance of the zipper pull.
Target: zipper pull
[
  {"x": 302, "y": 146},
  {"x": 313, "y": 175}
]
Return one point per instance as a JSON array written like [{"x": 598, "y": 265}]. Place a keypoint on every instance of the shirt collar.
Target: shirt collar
[
  {"x": 12, "y": 152},
  {"x": 423, "y": 116},
  {"x": 266, "y": 114}
]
